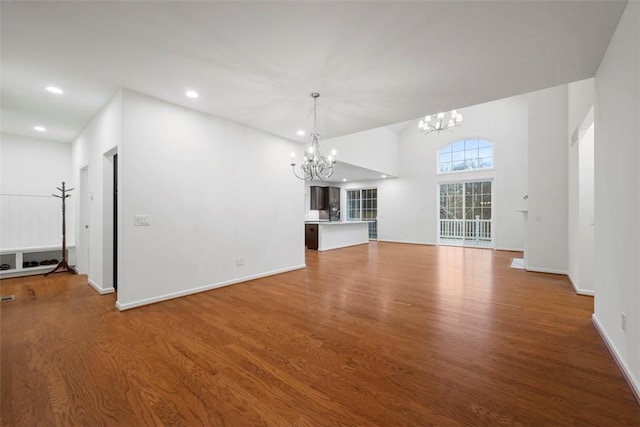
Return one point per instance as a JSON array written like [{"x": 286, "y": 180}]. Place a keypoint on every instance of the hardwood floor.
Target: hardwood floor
[{"x": 385, "y": 334}]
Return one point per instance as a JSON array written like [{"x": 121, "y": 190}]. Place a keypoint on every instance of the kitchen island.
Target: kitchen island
[{"x": 326, "y": 235}]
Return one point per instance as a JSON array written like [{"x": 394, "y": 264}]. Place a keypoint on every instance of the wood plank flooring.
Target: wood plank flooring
[{"x": 385, "y": 334}]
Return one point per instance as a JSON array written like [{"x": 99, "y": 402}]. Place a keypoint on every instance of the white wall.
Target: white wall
[
  {"x": 581, "y": 99},
  {"x": 408, "y": 205},
  {"x": 547, "y": 237},
  {"x": 617, "y": 199},
  {"x": 215, "y": 191},
  {"x": 33, "y": 166},
  {"x": 30, "y": 171},
  {"x": 375, "y": 149},
  {"x": 581, "y": 185},
  {"x": 94, "y": 148},
  {"x": 573, "y": 230}
]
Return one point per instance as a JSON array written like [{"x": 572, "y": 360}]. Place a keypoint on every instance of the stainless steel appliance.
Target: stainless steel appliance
[{"x": 334, "y": 212}]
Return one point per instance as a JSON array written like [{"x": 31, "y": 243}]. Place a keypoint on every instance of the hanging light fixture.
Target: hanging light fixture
[
  {"x": 441, "y": 121},
  {"x": 314, "y": 164}
]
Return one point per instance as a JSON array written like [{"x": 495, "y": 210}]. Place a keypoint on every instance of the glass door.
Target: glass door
[{"x": 465, "y": 214}]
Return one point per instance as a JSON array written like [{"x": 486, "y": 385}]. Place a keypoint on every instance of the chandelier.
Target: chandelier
[
  {"x": 441, "y": 121},
  {"x": 314, "y": 163}
]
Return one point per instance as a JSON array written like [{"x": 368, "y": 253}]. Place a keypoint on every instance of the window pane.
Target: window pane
[
  {"x": 484, "y": 143},
  {"x": 446, "y": 157},
  {"x": 458, "y": 155},
  {"x": 485, "y": 152},
  {"x": 486, "y": 163},
  {"x": 470, "y": 143},
  {"x": 458, "y": 166},
  {"x": 457, "y": 146},
  {"x": 362, "y": 205}
]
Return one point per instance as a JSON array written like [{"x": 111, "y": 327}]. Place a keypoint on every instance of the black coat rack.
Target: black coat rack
[{"x": 63, "y": 265}]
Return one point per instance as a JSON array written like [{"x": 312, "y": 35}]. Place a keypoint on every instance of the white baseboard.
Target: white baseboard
[
  {"x": 345, "y": 246},
  {"x": 99, "y": 289},
  {"x": 578, "y": 290},
  {"x": 624, "y": 368},
  {"x": 191, "y": 291},
  {"x": 408, "y": 242},
  {"x": 510, "y": 249},
  {"x": 545, "y": 270}
]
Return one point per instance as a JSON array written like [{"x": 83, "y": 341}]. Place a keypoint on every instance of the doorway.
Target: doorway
[
  {"x": 115, "y": 221},
  {"x": 465, "y": 214},
  {"x": 582, "y": 205},
  {"x": 84, "y": 241}
]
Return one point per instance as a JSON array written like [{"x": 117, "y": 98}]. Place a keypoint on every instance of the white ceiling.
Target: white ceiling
[
  {"x": 346, "y": 172},
  {"x": 255, "y": 63}
]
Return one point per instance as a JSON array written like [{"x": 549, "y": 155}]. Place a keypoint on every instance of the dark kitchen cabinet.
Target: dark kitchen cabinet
[
  {"x": 311, "y": 236},
  {"x": 322, "y": 197},
  {"x": 317, "y": 197}
]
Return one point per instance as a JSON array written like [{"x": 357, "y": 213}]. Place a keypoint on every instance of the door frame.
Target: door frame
[
  {"x": 464, "y": 181},
  {"x": 84, "y": 223}
]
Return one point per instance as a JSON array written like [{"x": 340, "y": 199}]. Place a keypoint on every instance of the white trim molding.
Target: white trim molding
[
  {"x": 624, "y": 368},
  {"x": 99, "y": 289},
  {"x": 545, "y": 270},
  {"x": 140, "y": 303},
  {"x": 344, "y": 246},
  {"x": 510, "y": 249},
  {"x": 578, "y": 290},
  {"x": 407, "y": 242}
]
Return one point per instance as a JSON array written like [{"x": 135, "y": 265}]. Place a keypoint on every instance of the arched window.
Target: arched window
[{"x": 468, "y": 154}]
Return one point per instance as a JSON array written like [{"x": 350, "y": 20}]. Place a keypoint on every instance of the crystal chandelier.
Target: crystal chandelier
[
  {"x": 441, "y": 121},
  {"x": 314, "y": 164}
]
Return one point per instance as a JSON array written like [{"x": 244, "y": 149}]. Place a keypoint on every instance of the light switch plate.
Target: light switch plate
[{"x": 141, "y": 220}]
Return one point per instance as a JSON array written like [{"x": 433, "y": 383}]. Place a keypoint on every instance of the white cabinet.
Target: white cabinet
[{"x": 27, "y": 261}]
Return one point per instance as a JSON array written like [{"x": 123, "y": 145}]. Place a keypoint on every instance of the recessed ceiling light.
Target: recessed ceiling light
[
  {"x": 55, "y": 89},
  {"x": 344, "y": 179},
  {"x": 384, "y": 176},
  {"x": 192, "y": 94},
  {"x": 300, "y": 132},
  {"x": 40, "y": 128}
]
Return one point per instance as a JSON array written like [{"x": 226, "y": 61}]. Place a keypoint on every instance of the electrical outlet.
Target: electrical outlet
[
  {"x": 623, "y": 318},
  {"x": 141, "y": 220},
  {"x": 239, "y": 261}
]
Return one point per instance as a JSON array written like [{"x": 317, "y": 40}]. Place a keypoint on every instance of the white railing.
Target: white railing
[{"x": 468, "y": 230}]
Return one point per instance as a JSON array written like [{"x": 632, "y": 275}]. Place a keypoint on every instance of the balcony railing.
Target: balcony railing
[{"x": 475, "y": 232}]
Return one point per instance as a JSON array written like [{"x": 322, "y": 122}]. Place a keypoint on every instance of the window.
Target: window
[
  {"x": 468, "y": 154},
  {"x": 465, "y": 213},
  {"x": 362, "y": 205},
  {"x": 353, "y": 205}
]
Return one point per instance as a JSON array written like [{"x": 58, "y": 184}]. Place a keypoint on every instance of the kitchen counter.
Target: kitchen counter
[{"x": 327, "y": 235}]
